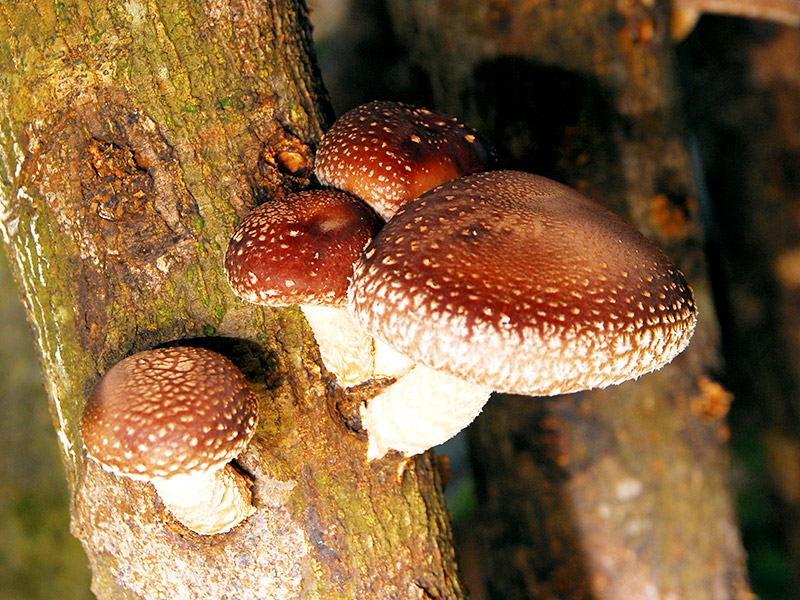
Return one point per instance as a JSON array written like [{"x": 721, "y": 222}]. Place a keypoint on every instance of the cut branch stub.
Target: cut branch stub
[{"x": 516, "y": 283}]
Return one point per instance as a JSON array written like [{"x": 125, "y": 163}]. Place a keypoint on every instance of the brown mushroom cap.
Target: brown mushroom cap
[
  {"x": 299, "y": 249},
  {"x": 515, "y": 281},
  {"x": 387, "y": 153},
  {"x": 167, "y": 412}
]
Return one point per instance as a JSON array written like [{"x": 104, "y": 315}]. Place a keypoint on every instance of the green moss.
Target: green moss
[
  {"x": 235, "y": 102},
  {"x": 163, "y": 313}
]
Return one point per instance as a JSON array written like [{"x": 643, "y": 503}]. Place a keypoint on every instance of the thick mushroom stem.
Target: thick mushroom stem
[
  {"x": 347, "y": 350},
  {"x": 344, "y": 347},
  {"x": 405, "y": 418},
  {"x": 388, "y": 361},
  {"x": 207, "y": 502}
]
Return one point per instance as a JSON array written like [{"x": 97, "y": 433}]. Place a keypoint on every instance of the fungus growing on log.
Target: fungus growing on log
[
  {"x": 512, "y": 282},
  {"x": 176, "y": 417},
  {"x": 300, "y": 249},
  {"x": 387, "y": 153}
]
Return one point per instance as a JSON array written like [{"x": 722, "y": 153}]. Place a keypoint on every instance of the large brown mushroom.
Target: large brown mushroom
[
  {"x": 511, "y": 282},
  {"x": 176, "y": 417},
  {"x": 387, "y": 153}
]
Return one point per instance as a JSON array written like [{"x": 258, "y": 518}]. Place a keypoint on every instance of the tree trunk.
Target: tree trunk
[
  {"x": 133, "y": 136},
  {"x": 743, "y": 92},
  {"x": 620, "y": 493}
]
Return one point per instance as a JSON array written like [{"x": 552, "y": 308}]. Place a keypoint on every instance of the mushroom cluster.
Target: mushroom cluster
[
  {"x": 481, "y": 279},
  {"x": 300, "y": 249},
  {"x": 176, "y": 417}
]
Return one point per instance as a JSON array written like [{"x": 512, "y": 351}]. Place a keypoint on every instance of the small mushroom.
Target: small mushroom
[
  {"x": 300, "y": 249},
  {"x": 387, "y": 153},
  {"x": 176, "y": 417},
  {"x": 511, "y": 282}
]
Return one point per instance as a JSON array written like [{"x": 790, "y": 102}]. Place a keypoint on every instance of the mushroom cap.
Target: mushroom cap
[
  {"x": 517, "y": 282},
  {"x": 169, "y": 411},
  {"x": 299, "y": 249},
  {"x": 387, "y": 153}
]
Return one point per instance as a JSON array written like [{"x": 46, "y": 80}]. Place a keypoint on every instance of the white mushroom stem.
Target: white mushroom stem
[
  {"x": 348, "y": 351},
  {"x": 207, "y": 502},
  {"x": 420, "y": 410},
  {"x": 388, "y": 361}
]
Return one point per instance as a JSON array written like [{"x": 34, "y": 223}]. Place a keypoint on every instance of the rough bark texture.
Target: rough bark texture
[
  {"x": 133, "y": 136},
  {"x": 620, "y": 493}
]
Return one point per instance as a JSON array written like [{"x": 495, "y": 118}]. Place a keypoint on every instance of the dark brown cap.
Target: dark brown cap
[
  {"x": 517, "y": 282},
  {"x": 387, "y": 153},
  {"x": 299, "y": 249},
  {"x": 168, "y": 412}
]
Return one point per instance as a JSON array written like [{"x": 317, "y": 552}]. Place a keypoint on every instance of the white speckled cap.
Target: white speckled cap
[
  {"x": 167, "y": 412},
  {"x": 387, "y": 153},
  {"x": 299, "y": 249},
  {"x": 514, "y": 281}
]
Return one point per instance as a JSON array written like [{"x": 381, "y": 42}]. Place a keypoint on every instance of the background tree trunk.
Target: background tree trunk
[
  {"x": 742, "y": 82},
  {"x": 620, "y": 493},
  {"x": 133, "y": 136}
]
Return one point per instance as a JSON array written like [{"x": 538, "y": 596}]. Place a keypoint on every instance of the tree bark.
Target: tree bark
[
  {"x": 133, "y": 136},
  {"x": 620, "y": 493}
]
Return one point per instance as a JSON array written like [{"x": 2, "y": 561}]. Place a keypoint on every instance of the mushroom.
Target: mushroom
[
  {"x": 176, "y": 417},
  {"x": 511, "y": 282},
  {"x": 387, "y": 153},
  {"x": 300, "y": 249}
]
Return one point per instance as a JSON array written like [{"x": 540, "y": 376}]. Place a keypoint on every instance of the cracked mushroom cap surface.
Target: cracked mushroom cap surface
[
  {"x": 299, "y": 249},
  {"x": 515, "y": 281},
  {"x": 169, "y": 411},
  {"x": 387, "y": 153}
]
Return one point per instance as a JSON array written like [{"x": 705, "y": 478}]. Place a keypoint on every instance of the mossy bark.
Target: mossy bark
[
  {"x": 620, "y": 493},
  {"x": 133, "y": 137}
]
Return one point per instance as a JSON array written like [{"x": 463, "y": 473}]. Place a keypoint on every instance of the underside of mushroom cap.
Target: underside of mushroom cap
[
  {"x": 514, "y": 281},
  {"x": 169, "y": 411}
]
